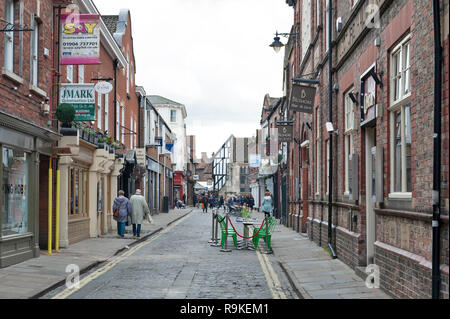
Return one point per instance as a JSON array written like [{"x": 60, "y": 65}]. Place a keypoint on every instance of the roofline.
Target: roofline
[{"x": 108, "y": 42}]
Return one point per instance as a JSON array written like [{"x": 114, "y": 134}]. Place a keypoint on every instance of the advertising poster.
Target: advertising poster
[
  {"x": 80, "y": 39},
  {"x": 82, "y": 98}
]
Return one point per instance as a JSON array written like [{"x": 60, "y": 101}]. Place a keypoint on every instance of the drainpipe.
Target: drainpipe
[
  {"x": 330, "y": 110},
  {"x": 436, "y": 152}
]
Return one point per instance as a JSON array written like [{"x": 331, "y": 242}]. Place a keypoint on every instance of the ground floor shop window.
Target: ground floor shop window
[
  {"x": 78, "y": 193},
  {"x": 14, "y": 203}
]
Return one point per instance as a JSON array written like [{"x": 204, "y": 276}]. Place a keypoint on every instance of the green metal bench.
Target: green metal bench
[
  {"x": 231, "y": 232},
  {"x": 262, "y": 233}
]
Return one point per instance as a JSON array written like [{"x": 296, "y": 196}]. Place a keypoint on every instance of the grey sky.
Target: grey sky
[{"x": 213, "y": 56}]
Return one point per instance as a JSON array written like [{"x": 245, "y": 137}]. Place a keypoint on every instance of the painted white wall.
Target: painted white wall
[{"x": 179, "y": 153}]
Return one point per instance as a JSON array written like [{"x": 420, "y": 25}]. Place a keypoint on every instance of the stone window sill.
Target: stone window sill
[
  {"x": 38, "y": 91},
  {"x": 12, "y": 76},
  {"x": 400, "y": 196}
]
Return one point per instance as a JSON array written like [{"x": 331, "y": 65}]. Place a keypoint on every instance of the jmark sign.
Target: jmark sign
[{"x": 82, "y": 98}]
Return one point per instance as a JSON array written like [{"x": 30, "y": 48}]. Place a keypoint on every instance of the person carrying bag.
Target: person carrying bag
[{"x": 121, "y": 209}]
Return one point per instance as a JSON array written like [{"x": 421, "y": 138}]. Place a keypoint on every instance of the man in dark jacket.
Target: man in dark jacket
[{"x": 124, "y": 206}]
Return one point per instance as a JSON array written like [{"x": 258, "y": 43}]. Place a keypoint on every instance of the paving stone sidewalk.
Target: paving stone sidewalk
[
  {"x": 314, "y": 273},
  {"x": 32, "y": 278}
]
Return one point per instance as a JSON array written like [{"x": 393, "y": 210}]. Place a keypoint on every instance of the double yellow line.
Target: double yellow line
[
  {"x": 116, "y": 260},
  {"x": 271, "y": 277}
]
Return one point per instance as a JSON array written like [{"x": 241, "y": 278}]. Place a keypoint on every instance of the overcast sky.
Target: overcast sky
[{"x": 213, "y": 56}]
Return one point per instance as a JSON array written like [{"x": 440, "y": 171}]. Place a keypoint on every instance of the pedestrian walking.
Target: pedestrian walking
[
  {"x": 122, "y": 209},
  {"x": 251, "y": 203},
  {"x": 267, "y": 204},
  {"x": 221, "y": 202},
  {"x": 205, "y": 204},
  {"x": 139, "y": 210}
]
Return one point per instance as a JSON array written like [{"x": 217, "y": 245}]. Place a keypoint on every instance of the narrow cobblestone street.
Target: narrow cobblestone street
[{"x": 180, "y": 263}]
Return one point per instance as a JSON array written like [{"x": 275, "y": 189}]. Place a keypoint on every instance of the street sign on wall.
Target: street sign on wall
[
  {"x": 302, "y": 98},
  {"x": 81, "y": 97},
  {"x": 80, "y": 39}
]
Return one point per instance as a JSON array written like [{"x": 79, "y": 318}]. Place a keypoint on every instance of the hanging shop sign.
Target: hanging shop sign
[
  {"x": 302, "y": 98},
  {"x": 103, "y": 87},
  {"x": 80, "y": 39},
  {"x": 81, "y": 97},
  {"x": 140, "y": 156},
  {"x": 368, "y": 101},
  {"x": 285, "y": 132}
]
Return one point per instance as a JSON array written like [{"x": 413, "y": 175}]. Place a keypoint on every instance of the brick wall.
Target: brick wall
[{"x": 24, "y": 102}]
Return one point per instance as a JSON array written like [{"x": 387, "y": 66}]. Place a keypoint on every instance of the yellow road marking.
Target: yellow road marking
[
  {"x": 83, "y": 282},
  {"x": 271, "y": 277}
]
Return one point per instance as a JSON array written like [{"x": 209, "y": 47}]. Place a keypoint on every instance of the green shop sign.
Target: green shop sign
[{"x": 81, "y": 97}]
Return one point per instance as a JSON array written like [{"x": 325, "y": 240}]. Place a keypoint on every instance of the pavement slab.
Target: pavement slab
[{"x": 312, "y": 270}]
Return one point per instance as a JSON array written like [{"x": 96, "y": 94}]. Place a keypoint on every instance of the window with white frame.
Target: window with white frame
[
  {"x": 318, "y": 12},
  {"x": 81, "y": 74},
  {"x": 400, "y": 71},
  {"x": 173, "y": 115},
  {"x": 135, "y": 133},
  {"x": 69, "y": 71},
  {"x": 132, "y": 133},
  {"x": 327, "y": 145},
  {"x": 400, "y": 120},
  {"x": 128, "y": 73},
  {"x": 9, "y": 36},
  {"x": 107, "y": 113},
  {"x": 318, "y": 168},
  {"x": 99, "y": 111},
  {"x": 118, "y": 121},
  {"x": 348, "y": 138},
  {"x": 122, "y": 125},
  {"x": 34, "y": 54}
]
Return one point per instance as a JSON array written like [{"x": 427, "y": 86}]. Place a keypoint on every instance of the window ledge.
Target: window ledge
[
  {"x": 38, "y": 91},
  {"x": 400, "y": 196},
  {"x": 12, "y": 76}
]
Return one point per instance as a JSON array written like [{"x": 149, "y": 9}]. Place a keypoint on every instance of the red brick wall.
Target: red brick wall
[{"x": 18, "y": 102}]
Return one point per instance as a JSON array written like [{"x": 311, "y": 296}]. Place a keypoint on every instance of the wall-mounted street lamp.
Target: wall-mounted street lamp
[{"x": 277, "y": 44}]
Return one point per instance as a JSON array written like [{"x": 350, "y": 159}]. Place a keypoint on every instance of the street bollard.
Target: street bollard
[
  {"x": 225, "y": 249},
  {"x": 216, "y": 237},
  {"x": 213, "y": 216},
  {"x": 268, "y": 251}
]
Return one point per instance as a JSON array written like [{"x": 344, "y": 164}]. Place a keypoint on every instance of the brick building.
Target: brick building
[
  {"x": 89, "y": 175},
  {"x": 28, "y": 130},
  {"x": 382, "y": 146}
]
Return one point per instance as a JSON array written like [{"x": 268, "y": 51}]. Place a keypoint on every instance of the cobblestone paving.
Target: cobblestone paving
[{"x": 182, "y": 264}]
